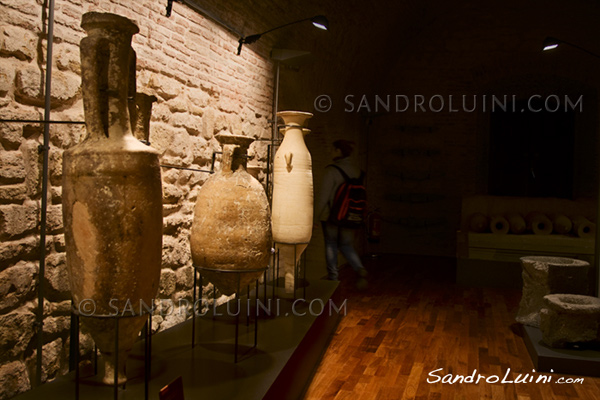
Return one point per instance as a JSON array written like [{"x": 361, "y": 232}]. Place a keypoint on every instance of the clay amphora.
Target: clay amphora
[
  {"x": 292, "y": 194},
  {"x": 231, "y": 231},
  {"x": 112, "y": 198}
]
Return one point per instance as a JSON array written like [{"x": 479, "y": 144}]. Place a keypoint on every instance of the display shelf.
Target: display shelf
[
  {"x": 509, "y": 248},
  {"x": 292, "y": 342},
  {"x": 578, "y": 362},
  {"x": 493, "y": 260}
]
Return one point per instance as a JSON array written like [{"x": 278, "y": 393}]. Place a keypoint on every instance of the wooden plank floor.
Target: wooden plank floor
[{"x": 412, "y": 321}]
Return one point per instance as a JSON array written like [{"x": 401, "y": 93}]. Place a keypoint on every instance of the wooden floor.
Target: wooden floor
[{"x": 412, "y": 321}]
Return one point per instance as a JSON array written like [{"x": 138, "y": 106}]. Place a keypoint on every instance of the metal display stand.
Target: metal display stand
[
  {"x": 296, "y": 269},
  {"x": 236, "y": 298},
  {"x": 74, "y": 350}
]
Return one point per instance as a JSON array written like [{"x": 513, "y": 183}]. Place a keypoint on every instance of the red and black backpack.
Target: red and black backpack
[{"x": 349, "y": 208}]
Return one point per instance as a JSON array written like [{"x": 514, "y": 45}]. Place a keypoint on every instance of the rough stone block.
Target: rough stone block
[
  {"x": 208, "y": 123},
  {"x": 17, "y": 285},
  {"x": 172, "y": 194},
  {"x": 56, "y": 326},
  {"x": 53, "y": 358},
  {"x": 12, "y": 193},
  {"x": 566, "y": 279},
  {"x": 181, "y": 147},
  {"x": 221, "y": 123},
  {"x": 7, "y": 78},
  {"x": 22, "y": 249},
  {"x": 198, "y": 98},
  {"x": 65, "y": 136},
  {"x": 12, "y": 135},
  {"x": 30, "y": 88},
  {"x": 60, "y": 309},
  {"x": 185, "y": 277},
  {"x": 536, "y": 284},
  {"x": 168, "y": 283},
  {"x": 59, "y": 243},
  {"x": 67, "y": 57},
  {"x": 174, "y": 223},
  {"x": 176, "y": 252},
  {"x": 65, "y": 87},
  {"x": 570, "y": 319},
  {"x": 193, "y": 125},
  {"x": 156, "y": 321},
  {"x": 12, "y": 167},
  {"x": 178, "y": 105},
  {"x": 234, "y": 122},
  {"x": 165, "y": 87},
  {"x": 54, "y": 219},
  {"x": 18, "y": 219},
  {"x": 14, "y": 379},
  {"x": 18, "y": 42},
  {"x": 33, "y": 167},
  {"x": 16, "y": 334},
  {"x": 57, "y": 277},
  {"x": 55, "y": 194}
]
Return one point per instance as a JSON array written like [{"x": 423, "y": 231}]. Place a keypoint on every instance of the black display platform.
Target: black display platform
[
  {"x": 584, "y": 362},
  {"x": 290, "y": 344}
]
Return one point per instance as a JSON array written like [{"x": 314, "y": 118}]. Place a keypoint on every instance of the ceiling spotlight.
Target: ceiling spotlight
[
  {"x": 550, "y": 43},
  {"x": 319, "y": 21}
]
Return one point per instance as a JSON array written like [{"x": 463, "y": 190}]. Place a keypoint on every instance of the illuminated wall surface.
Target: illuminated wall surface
[{"x": 414, "y": 84}]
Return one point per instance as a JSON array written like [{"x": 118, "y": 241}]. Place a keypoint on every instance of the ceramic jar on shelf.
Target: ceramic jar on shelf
[
  {"x": 292, "y": 194},
  {"x": 112, "y": 198},
  {"x": 231, "y": 231}
]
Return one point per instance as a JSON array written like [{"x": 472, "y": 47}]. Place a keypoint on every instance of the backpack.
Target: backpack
[{"x": 349, "y": 208}]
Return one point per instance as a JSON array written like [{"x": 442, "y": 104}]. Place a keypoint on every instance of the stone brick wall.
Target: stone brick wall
[{"x": 188, "y": 62}]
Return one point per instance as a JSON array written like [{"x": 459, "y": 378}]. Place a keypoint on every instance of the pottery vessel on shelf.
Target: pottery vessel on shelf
[
  {"x": 231, "y": 230},
  {"x": 292, "y": 194},
  {"x": 112, "y": 198}
]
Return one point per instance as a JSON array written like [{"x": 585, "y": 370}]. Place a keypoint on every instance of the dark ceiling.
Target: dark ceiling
[{"x": 371, "y": 46}]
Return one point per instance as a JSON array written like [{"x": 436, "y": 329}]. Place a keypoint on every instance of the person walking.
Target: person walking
[{"x": 338, "y": 238}]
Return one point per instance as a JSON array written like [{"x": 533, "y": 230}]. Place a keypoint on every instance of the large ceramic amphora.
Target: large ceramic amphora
[
  {"x": 292, "y": 194},
  {"x": 112, "y": 198},
  {"x": 231, "y": 231}
]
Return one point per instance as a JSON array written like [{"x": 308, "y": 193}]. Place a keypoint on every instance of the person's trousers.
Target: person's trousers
[{"x": 339, "y": 239}]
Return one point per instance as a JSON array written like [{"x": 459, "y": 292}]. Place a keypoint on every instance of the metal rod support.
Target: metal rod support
[
  {"x": 194, "y": 306},
  {"x": 116, "y": 365},
  {"x": 44, "y": 201},
  {"x": 186, "y": 168},
  {"x": 37, "y": 121}
]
